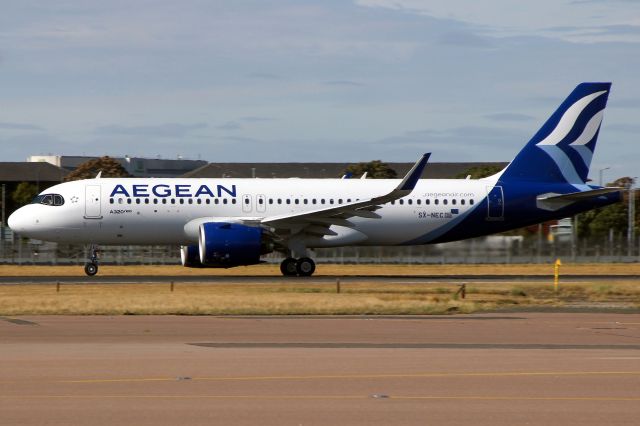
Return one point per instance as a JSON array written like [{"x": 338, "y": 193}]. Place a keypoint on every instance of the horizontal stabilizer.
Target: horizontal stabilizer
[
  {"x": 577, "y": 196},
  {"x": 557, "y": 201}
]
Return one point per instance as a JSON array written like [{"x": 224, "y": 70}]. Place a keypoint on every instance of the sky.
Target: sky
[{"x": 311, "y": 81}]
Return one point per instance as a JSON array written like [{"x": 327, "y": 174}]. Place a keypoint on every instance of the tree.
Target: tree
[
  {"x": 89, "y": 169},
  {"x": 24, "y": 193},
  {"x": 477, "y": 172},
  {"x": 597, "y": 223},
  {"x": 375, "y": 169}
]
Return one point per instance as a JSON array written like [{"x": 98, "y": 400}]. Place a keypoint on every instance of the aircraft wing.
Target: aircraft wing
[{"x": 339, "y": 215}]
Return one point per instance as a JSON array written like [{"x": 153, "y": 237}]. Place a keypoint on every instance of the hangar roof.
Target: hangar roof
[{"x": 31, "y": 172}]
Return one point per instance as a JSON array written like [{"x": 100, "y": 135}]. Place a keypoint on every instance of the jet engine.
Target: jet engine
[{"x": 224, "y": 245}]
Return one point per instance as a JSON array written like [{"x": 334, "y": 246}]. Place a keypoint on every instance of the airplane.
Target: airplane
[{"x": 223, "y": 223}]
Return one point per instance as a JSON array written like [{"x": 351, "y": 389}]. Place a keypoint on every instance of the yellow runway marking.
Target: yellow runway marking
[{"x": 363, "y": 376}]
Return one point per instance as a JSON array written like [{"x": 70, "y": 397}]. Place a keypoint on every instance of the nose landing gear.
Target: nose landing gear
[
  {"x": 91, "y": 267},
  {"x": 303, "y": 267}
]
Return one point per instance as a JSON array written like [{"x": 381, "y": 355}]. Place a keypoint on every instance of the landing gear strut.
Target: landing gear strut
[
  {"x": 303, "y": 267},
  {"x": 91, "y": 267}
]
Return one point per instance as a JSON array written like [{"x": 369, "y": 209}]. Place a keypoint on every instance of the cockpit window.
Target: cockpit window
[{"x": 49, "y": 200}]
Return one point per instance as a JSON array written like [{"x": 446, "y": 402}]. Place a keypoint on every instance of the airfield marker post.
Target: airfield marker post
[
  {"x": 338, "y": 285},
  {"x": 556, "y": 274}
]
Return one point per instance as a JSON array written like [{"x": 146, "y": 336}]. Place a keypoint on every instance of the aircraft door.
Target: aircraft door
[
  {"x": 246, "y": 203},
  {"x": 261, "y": 205},
  {"x": 495, "y": 203},
  {"x": 92, "y": 205}
]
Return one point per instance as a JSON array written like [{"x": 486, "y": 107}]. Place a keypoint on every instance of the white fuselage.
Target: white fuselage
[{"x": 159, "y": 211}]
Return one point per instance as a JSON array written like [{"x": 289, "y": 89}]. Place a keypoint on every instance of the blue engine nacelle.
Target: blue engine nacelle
[
  {"x": 190, "y": 257},
  {"x": 224, "y": 245}
]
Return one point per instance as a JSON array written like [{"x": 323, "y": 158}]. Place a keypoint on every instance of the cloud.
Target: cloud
[
  {"x": 20, "y": 126},
  {"x": 465, "y": 39},
  {"x": 168, "y": 130},
  {"x": 624, "y": 128},
  {"x": 256, "y": 119},
  {"x": 582, "y": 22},
  {"x": 264, "y": 76},
  {"x": 345, "y": 83},
  {"x": 509, "y": 116},
  {"x": 229, "y": 125}
]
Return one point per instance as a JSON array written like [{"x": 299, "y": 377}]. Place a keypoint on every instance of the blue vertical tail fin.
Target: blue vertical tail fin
[{"x": 561, "y": 151}]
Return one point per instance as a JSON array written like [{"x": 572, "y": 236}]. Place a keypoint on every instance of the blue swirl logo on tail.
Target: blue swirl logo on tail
[{"x": 561, "y": 151}]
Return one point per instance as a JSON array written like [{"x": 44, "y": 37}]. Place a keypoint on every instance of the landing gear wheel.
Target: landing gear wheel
[
  {"x": 90, "y": 268},
  {"x": 305, "y": 267},
  {"x": 288, "y": 267}
]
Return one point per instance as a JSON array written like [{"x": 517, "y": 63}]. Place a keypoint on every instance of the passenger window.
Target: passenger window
[
  {"x": 445, "y": 201},
  {"x": 288, "y": 201},
  {"x": 427, "y": 201},
  {"x": 233, "y": 201},
  {"x": 401, "y": 202},
  {"x": 207, "y": 201},
  {"x": 462, "y": 202},
  {"x": 260, "y": 201},
  {"x": 409, "y": 201},
  {"x": 164, "y": 201},
  {"x": 155, "y": 201},
  {"x": 322, "y": 201},
  {"x": 173, "y": 201},
  {"x": 216, "y": 201},
  {"x": 110, "y": 200},
  {"x": 418, "y": 201},
  {"x": 471, "y": 202},
  {"x": 340, "y": 201},
  {"x": 246, "y": 201},
  {"x": 270, "y": 200},
  {"x": 190, "y": 201},
  {"x": 146, "y": 201},
  {"x": 313, "y": 201},
  {"x": 137, "y": 200},
  {"x": 305, "y": 201},
  {"x": 181, "y": 200},
  {"x": 331, "y": 201},
  {"x": 224, "y": 201},
  {"x": 296, "y": 201},
  {"x": 436, "y": 201},
  {"x": 453, "y": 201}
]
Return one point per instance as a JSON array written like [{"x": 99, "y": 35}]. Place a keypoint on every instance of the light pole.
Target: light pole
[
  {"x": 600, "y": 171},
  {"x": 631, "y": 218}
]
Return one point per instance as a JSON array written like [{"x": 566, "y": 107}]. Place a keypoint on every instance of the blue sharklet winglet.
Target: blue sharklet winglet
[{"x": 410, "y": 180}]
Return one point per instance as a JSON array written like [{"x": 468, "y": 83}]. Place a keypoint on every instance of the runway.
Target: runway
[
  {"x": 482, "y": 369},
  {"x": 316, "y": 279}
]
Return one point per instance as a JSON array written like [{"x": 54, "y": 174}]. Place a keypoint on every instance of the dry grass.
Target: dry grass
[
  {"x": 332, "y": 269},
  {"x": 307, "y": 299}
]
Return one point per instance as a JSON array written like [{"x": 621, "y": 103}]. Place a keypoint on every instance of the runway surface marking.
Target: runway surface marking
[
  {"x": 357, "y": 345},
  {"x": 363, "y": 376},
  {"x": 340, "y": 397}
]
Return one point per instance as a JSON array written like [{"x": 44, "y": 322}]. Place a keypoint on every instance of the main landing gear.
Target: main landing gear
[
  {"x": 303, "y": 267},
  {"x": 91, "y": 267}
]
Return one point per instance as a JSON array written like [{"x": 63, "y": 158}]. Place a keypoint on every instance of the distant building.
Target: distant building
[
  {"x": 320, "y": 170},
  {"x": 138, "y": 167}
]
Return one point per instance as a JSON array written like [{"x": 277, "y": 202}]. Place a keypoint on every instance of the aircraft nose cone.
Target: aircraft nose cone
[{"x": 17, "y": 222}]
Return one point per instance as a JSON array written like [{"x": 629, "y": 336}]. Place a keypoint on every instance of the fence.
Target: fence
[{"x": 493, "y": 249}]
